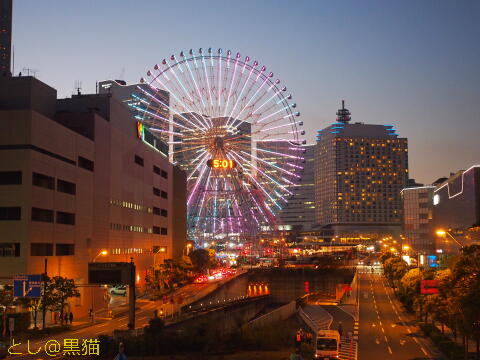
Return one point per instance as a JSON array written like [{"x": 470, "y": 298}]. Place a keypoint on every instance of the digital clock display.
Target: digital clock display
[{"x": 221, "y": 163}]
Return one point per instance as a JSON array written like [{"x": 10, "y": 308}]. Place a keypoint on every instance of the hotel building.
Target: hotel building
[{"x": 360, "y": 170}]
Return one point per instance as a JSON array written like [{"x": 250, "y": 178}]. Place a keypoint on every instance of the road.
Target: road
[{"x": 385, "y": 332}]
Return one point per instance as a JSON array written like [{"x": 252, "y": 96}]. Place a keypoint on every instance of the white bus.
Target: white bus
[{"x": 327, "y": 345}]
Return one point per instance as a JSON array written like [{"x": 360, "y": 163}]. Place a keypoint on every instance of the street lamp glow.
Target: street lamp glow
[
  {"x": 441, "y": 232},
  {"x": 104, "y": 252},
  {"x": 406, "y": 247},
  {"x": 392, "y": 249}
]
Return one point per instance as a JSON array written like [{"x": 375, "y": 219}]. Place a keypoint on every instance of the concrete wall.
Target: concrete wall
[
  {"x": 279, "y": 314},
  {"x": 225, "y": 320}
]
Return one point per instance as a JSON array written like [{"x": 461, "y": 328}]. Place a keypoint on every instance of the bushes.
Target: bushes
[{"x": 444, "y": 344}]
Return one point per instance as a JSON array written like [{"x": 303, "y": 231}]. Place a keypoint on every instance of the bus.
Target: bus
[{"x": 327, "y": 345}]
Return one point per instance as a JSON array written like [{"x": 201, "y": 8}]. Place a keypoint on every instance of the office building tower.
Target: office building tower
[
  {"x": 418, "y": 219},
  {"x": 5, "y": 37},
  {"x": 299, "y": 212},
  {"x": 456, "y": 209}
]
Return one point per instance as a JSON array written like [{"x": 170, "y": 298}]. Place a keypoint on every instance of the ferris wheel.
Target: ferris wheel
[{"x": 231, "y": 125}]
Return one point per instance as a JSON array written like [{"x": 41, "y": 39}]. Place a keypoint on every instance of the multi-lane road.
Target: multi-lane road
[{"x": 385, "y": 331}]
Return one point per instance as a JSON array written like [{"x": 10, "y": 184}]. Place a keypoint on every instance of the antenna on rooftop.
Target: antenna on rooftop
[
  {"x": 78, "y": 87},
  {"x": 343, "y": 115},
  {"x": 29, "y": 71}
]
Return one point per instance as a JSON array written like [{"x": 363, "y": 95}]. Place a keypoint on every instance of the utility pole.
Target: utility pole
[
  {"x": 131, "y": 297},
  {"x": 44, "y": 310}
]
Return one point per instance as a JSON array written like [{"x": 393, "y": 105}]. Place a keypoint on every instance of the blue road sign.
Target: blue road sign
[{"x": 27, "y": 285}]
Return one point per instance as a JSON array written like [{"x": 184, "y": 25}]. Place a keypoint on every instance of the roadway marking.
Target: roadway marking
[
  {"x": 390, "y": 350},
  {"x": 104, "y": 324},
  {"x": 381, "y": 323},
  {"x": 386, "y": 340},
  {"x": 377, "y": 341},
  {"x": 410, "y": 331},
  {"x": 383, "y": 330},
  {"x": 423, "y": 350}
]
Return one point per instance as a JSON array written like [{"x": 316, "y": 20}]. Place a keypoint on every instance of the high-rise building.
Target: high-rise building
[
  {"x": 359, "y": 172},
  {"x": 300, "y": 209},
  {"x": 5, "y": 37},
  {"x": 77, "y": 177},
  {"x": 457, "y": 210},
  {"x": 418, "y": 219}
]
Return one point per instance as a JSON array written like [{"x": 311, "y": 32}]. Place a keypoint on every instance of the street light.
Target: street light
[
  {"x": 441, "y": 232},
  {"x": 101, "y": 253}
]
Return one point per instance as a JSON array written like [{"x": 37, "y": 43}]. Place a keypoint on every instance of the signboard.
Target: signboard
[
  {"x": 221, "y": 163},
  {"x": 428, "y": 287},
  {"x": 432, "y": 261},
  {"x": 27, "y": 286},
  {"x": 110, "y": 273}
]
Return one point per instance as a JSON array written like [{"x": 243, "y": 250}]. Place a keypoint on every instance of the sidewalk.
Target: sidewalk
[{"x": 472, "y": 345}]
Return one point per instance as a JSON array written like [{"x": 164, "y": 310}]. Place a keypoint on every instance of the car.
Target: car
[
  {"x": 118, "y": 290},
  {"x": 360, "y": 262}
]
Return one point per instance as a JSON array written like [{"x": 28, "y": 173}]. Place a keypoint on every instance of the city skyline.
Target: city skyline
[{"x": 411, "y": 64}]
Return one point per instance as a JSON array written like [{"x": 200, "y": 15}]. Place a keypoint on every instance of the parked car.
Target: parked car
[{"x": 118, "y": 290}]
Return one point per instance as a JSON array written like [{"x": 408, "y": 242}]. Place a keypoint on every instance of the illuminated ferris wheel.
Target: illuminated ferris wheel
[{"x": 233, "y": 128}]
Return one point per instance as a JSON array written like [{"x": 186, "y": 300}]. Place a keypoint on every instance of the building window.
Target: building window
[
  {"x": 41, "y": 249},
  {"x": 164, "y": 195},
  {"x": 64, "y": 249},
  {"x": 10, "y": 213},
  {"x": 44, "y": 181},
  {"x": 65, "y": 218},
  {"x": 156, "y": 191},
  {"x": 156, "y": 210},
  {"x": 43, "y": 215},
  {"x": 164, "y": 174},
  {"x": 85, "y": 163},
  {"x": 156, "y": 170},
  {"x": 66, "y": 187},
  {"x": 10, "y": 177},
  {"x": 163, "y": 231},
  {"x": 138, "y": 160},
  {"x": 423, "y": 216},
  {"x": 156, "y": 230},
  {"x": 164, "y": 212},
  {"x": 9, "y": 249}
]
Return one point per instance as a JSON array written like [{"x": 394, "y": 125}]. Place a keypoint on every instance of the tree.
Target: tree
[
  {"x": 203, "y": 259},
  {"x": 33, "y": 304},
  {"x": 59, "y": 290},
  {"x": 394, "y": 269}
]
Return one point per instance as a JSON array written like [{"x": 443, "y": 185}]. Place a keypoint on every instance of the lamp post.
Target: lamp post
[
  {"x": 443, "y": 233},
  {"x": 101, "y": 253}
]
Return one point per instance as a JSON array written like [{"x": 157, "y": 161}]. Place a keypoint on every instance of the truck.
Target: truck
[{"x": 327, "y": 345}]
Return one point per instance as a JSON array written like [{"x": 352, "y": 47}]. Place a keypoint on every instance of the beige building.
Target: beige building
[{"x": 75, "y": 180}]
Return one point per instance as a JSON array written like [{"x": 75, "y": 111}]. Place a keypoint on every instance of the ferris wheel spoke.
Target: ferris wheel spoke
[
  {"x": 195, "y": 83},
  {"x": 158, "y": 101},
  {"x": 181, "y": 102},
  {"x": 258, "y": 184},
  {"x": 270, "y": 177},
  {"x": 185, "y": 107}
]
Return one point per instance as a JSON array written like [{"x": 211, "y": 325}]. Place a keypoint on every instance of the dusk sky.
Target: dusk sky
[{"x": 412, "y": 64}]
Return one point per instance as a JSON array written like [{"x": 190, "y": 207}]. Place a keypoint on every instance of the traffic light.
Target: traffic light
[{"x": 306, "y": 286}]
